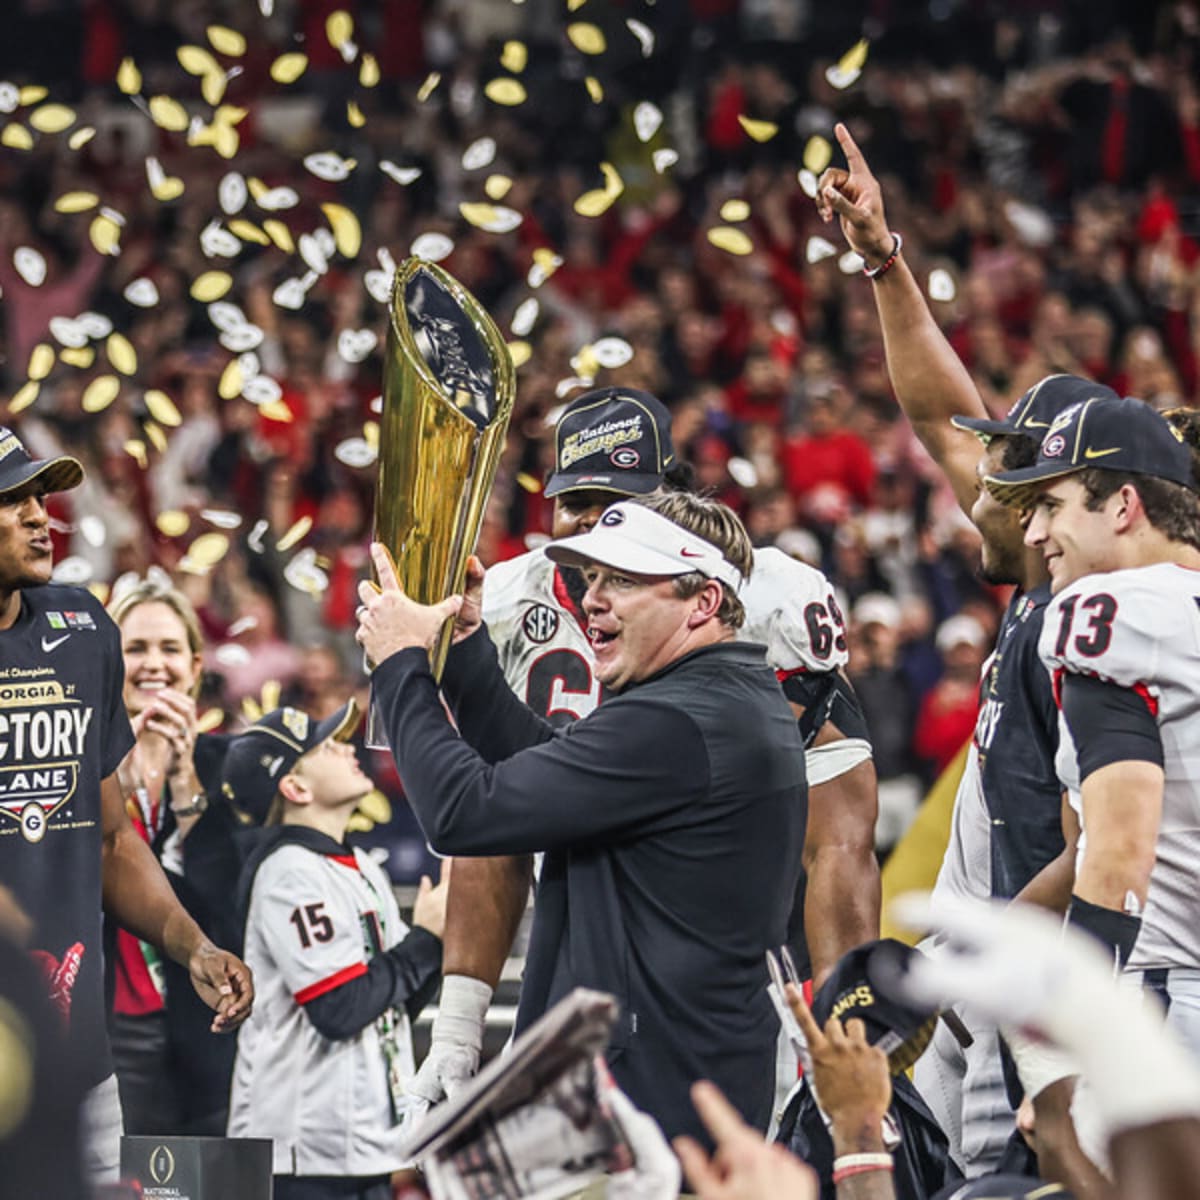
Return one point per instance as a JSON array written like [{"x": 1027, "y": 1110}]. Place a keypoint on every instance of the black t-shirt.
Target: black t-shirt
[
  {"x": 63, "y": 729},
  {"x": 1017, "y": 737}
]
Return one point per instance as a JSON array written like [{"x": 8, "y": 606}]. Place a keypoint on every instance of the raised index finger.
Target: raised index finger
[
  {"x": 854, "y": 156},
  {"x": 804, "y": 1017},
  {"x": 720, "y": 1118},
  {"x": 385, "y": 568}
]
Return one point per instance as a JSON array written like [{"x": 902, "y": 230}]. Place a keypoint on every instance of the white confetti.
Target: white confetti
[
  {"x": 840, "y": 78},
  {"x": 331, "y": 167},
  {"x": 402, "y": 175},
  {"x": 249, "y": 366},
  {"x": 94, "y": 324},
  {"x": 245, "y": 337},
  {"x": 851, "y": 263},
  {"x": 742, "y": 471},
  {"x": 432, "y": 247},
  {"x": 664, "y": 158},
  {"x": 817, "y": 249},
  {"x": 73, "y": 571},
  {"x": 354, "y": 345},
  {"x": 221, "y": 518},
  {"x": 10, "y": 97},
  {"x": 503, "y": 220},
  {"x": 480, "y": 153},
  {"x": 30, "y": 265},
  {"x": 540, "y": 272},
  {"x": 262, "y": 389},
  {"x": 218, "y": 242},
  {"x": 226, "y": 316},
  {"x": 304, "y": 575},
  {"x": 93, "y": 531},
  {"x": 232, "y": 193},
  {"x": 941, "y": 285},
  {"x": 612, "y": 352},
  {"x": 310, "y": 251},
  {"x": 644, "y": 35},
  {"x": 647, "y": 119},
  {"x": 68, "y": 332},
  {"x": 290, "y": 294},
  {"x": 142, "y": 292},
  {"x": 355, "y": 452},
  {"x": 525, "y": 316},
  {"x": 808, "y": 183},
  {"x": 231, "y": 655},
  {"x": 379, "y": 285},
  {"x": 255, "y": 538},
  {"x": 569, "y": 385},
  {"x": 278, "y": 198}
]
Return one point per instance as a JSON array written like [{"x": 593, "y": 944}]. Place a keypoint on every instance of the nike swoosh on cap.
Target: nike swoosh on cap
[
  {"x": 1090, "y": 453},
  {"x": 48, "y": 645},
  {"x": 690, "y": 553},
  {"x": 1031, "y": 424}
]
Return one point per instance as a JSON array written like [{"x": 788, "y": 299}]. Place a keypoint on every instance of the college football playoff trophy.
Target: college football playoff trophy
[{"x": 448, "y": 391}]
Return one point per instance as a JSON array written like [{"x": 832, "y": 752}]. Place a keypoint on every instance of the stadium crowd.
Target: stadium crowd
[{"x": 200, "y": 213}]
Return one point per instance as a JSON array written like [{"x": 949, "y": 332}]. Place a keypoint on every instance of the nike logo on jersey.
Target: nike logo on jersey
[
  {"x": 1090, "y": 453},
  {"x": 49, "y": 644}
]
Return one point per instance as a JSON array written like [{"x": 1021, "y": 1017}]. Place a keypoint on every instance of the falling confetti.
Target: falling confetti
[
  {"x": 24, "y": 397},
  {"x": 129, "y": 78},
  {"x": 492, "y": 218},
  {"x": 287, "y": 68},
  {"x": 167, "y": 113},
  {"x": 30, "y": 265},
  {"x": 849, "y": 67},
  {"x": 525, "y": 317},
  {"x": 941, "y": 285},
  {"x": 52, "y": 118},
  {"x": 818, "y": 249},
  {"x": 818, "y": 152},
  {"x": 497, "y": 186},
  {"x": 647, "y": 119},
  {"x": 402, "y": 175},
  {"x": 368, "y": 71},
  {"x": 514, "y": 57},
  {"x": 520, "y": 353},
  {"x": 735, "y": 210},
  {"x": 643, "y": 34},
  {"x": 586, "y": 38},
  {"x": 141, "y": 292},
  {"x": 329, "y": 166},
  {"x": 731, "y": 240},
  {"x": 429, "y": 86},
  {"x": 76, "y": 202},
  {"x": 41, "y": 361},
  {"x": 296, "y": 534},
  {"x": 162, "y": 408},
  {"x": 664, "y": 159},
  {"x": 355, "y": 452},
  {"x": 119, "y": 351},
  {"x": 850, "y": 263},
  {"x": 506, "y": 92},
  {"x": 100, "y": 393},
  {"x": 598, "y": 201},
  {"x": 432, "y": 247},
  {"x": 612, "y": 352},
  {"x": 347, "y": 234},
  {"x": 480, "y": 153},
  {"x": 226, "y": 41},
  {"x": 759, "y": 131}
]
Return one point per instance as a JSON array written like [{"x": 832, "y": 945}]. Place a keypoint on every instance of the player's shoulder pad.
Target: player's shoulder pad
[
  {"x": 1124, "y": 626},
  {"x": 792, "y": 610},
  {"x": 507, "y": 583}
]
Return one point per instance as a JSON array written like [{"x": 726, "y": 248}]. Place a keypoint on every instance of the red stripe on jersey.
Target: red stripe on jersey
[
  {"x": 1056, "y": 686},
  {"x": 781, "y": 674},
  {"x": 1142, "y": 690},
  {"x": 564, "y": 598},
  {"x": 347, "y": 860},
  {"x": 304, "y": 995}
]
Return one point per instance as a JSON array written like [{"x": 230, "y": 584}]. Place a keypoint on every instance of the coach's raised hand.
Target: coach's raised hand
[
  {"x": 388, "y": 621},
  {"x": 855, "y": 197}
]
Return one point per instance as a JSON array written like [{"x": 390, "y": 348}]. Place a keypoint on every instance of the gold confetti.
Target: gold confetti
[
  {"x": 210, "y": 719},
  {"x": 735, "y": 210},
  {"x": 251, "y": 709},
  {"x": 100, "y": 393},
  {"x": 371, "y": 434},
  {"x": 853, "y": 61},
  {"x": 354, "y": 115},
  {"x": 32, "y": 94},
  {"x": 81, "y": 137},
  {"x": 339, "y": 28},
  {"x": 226, "y": 41},
  {"x": 16, "y": 137},
  {"x": 24, "y": 397},
  {"x": 520, "y": 353},
  {"x": 760, "y": 131},
  {"x": 479, "y": 215},
  {"x": 347, "y": 233},
  {"x": 600, "y": 200},
  {"x": 508, "y": 92},
  {"x": 105, "y": 234},
  {"x": 287, "y": 68},
  {"x": 52, "y": 118},
  {"x": 271, "y": 691},
  {"x": 136, "y": 449},
  {"x": 78, "y": 356},
  {"x": 232, "y": 380},
  {"x": 368, "y": 71},
  {"x": 120, "y": 352},
  {"x": 497, "y": 186},
  {"x": 276, "y": 410},
  {"x": 76, "y": 202},
  {"x": 129, "y": 78},
  {"x": 575, "y": 5},
  {"x": 546, "y": 260},
  {"x": 208, "y": 549},
  {"x": 529, "y": 483},
  {"x": 167, "y": 113},
  {"x": 173, "y": 523},
  {"x": 586, "y": 38},
  {"x": 295, "y": 534},
  {"x": 817, "y": 154},
  {"x": 163, "y": 187},
  {"x": 41, "y": 361},
  {"x": 212, "y": 87},
  {"x": 195, "y": 60},
  {"x": 514, "y": 57},
  {"x": 595, "y": 90},
  {"x": 248, "y": 232},
  {"x": 158, "y": 439},
  {"x": 731, "y": 240},
  {"x": 210, "y": 286},
  {"x": 376, "y": 807},
  {"x": 426, "y": 89},
  {"x": 280, "y": 234}
]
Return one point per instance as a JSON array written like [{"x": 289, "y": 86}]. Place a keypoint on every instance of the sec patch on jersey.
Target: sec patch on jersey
[{"x": 539, "y": 623}]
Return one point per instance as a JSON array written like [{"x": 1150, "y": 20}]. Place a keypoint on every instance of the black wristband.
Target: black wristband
[{"x": 1117, "y": 931}]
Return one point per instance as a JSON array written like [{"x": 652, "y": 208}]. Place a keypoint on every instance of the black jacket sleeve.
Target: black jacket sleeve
[{"x": 407, "y": 974}]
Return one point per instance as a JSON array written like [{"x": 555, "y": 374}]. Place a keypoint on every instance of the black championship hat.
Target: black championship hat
[
  {"x": 261, "y": 756},
  {"x": 17, "y": 468},
  {"x": 614, "y": 440},
  {"x": 1117, "y": 434},
  {"x": 1035, "y": 411},
  {"x": 854, "y": 989}
]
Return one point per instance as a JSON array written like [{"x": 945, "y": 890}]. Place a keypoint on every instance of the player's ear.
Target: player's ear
[
  {"x": 294, "y": 790},
  {"x": 1129, "y": 507},
  {"x": 705, "y": 604}
]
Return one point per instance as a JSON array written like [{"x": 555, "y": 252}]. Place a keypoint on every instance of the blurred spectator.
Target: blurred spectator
[{"x": 947, "y": 715}]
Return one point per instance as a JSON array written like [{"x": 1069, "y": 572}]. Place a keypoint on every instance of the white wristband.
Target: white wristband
[
  {"x": 461, "y": 1010},
  {"x": 827, "y": 762}
]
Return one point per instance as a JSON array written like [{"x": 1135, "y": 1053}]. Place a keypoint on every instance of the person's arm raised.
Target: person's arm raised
[{"x": 931, "y": 382}]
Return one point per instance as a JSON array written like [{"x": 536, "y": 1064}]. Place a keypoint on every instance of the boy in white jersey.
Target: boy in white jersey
[
  {"x": 323, "y": 1070},
  {"x": 612, "y": 443},
  {"x": 1116, "y": 515}
]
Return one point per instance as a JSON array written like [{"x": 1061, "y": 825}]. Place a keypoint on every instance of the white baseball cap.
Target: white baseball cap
[{"x": 631, "y": 537}]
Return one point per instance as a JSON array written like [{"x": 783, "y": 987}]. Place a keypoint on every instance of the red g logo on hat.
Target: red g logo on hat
[
  {"x": 1052, "y": 447},
  {"x": 625, "y": 457}
]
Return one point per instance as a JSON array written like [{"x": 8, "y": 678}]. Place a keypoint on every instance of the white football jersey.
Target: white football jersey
[
  {"x": 1140, "y": 628},
  {"x": 314, "y": 922},
  {"x": 547, "y": 659}
]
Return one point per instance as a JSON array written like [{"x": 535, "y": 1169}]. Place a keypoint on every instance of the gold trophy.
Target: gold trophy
[{"x": 448, "y": 391}]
